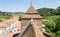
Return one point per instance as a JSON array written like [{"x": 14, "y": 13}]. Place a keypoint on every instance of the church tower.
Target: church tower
[{"x": 31, "y": 13}]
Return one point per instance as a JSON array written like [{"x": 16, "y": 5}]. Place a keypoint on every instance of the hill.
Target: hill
[{"x": 49, "y": 11}]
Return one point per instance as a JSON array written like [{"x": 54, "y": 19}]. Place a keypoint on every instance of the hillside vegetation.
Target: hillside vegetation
[
  {"x": 53, "y": 25},
  {"x": 7, "y": 15},
  {"x": 53, "y": 15},
  {"x": 49, "y": 11}
]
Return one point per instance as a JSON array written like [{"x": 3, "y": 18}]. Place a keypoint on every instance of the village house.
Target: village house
[{"x": 13, "y": 25}]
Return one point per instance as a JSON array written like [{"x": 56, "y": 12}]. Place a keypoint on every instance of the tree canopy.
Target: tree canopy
[{"x": 49, "y": 11}]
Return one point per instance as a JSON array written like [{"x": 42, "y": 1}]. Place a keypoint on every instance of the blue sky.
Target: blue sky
[{"x": 22, "y": 5}]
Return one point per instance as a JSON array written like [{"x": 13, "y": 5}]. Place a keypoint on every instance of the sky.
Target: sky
[{"x": 23, "y": 5}]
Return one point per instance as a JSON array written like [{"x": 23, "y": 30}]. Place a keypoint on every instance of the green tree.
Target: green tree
[
  {"x": 58, "y": 9},
  {"x": 45, "y": 11}
]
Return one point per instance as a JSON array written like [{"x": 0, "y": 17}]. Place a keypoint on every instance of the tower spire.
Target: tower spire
[{"x": 31, "y": 4}]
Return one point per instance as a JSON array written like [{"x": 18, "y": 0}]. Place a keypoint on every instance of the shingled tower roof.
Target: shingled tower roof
[
  {"x": 31, "y": 9},
  {"x": 31, "y": 13}
]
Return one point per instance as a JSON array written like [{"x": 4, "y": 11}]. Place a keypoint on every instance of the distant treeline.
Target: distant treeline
[
  {"x": 49, "y": 11},
  {"x": 10, "y": 13}
]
